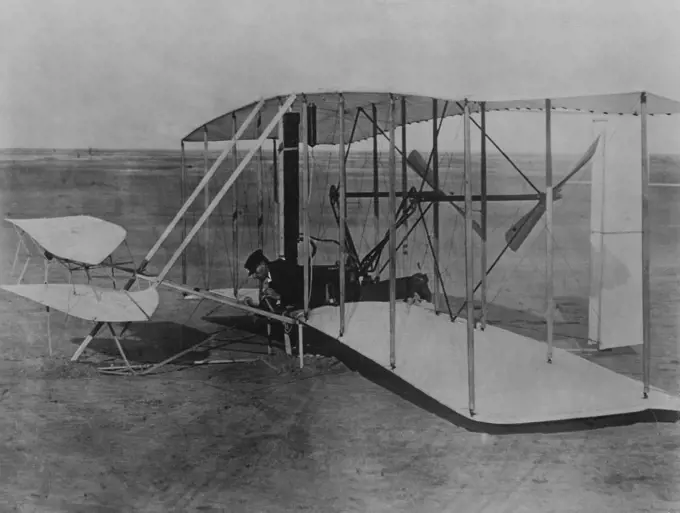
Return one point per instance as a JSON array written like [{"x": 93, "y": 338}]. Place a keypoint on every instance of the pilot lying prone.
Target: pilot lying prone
[{"x": 281, "y": 282}]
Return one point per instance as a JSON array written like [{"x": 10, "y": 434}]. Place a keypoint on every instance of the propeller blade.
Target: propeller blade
[
  {"x": 590, "y": 152},
  {"x": 518, "y": 232},
  {"x": 418, "y": 164}
]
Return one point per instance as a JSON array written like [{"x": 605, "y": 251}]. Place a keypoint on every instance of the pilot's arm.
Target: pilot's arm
[{"x": 268, "y": 295}]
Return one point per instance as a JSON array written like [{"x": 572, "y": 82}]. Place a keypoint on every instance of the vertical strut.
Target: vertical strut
[
  {"x": 376, "y": 185},
  {"x": 467, "y": 171},
  {"x": 260, "y": 191},
  {"x": 435, "y": 207},
  {"x": 404, "y": 175},
  {"x": 234, "y": 221},
  {"x": 183, "y": 193},
  {"x": 484, "y": 215},
  {"x": 646, "y": 333},
  {"x": 548, "y": 231},
  {"x": 206, "y": 202},
  {"x": 305, "y": 208},
  {"x": 392, "y": 208},
  {"x": 343, "y": 212}
]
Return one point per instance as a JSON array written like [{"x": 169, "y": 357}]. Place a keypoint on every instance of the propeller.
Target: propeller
[
  {"x": 518, "y": 232},
  {"x": 418, "y": 164}
]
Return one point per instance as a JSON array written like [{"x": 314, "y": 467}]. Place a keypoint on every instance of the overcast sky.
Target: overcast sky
[{"x": 143, "y": 73}]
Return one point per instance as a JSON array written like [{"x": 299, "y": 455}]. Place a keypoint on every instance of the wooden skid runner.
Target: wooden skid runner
[{"x": 513, "y": 382}]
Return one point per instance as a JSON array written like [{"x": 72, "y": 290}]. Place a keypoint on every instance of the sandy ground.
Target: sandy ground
[{"x": 267, "y": 436}]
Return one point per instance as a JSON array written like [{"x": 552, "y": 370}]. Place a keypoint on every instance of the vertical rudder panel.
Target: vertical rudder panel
[{"x": 615, "y": 305}]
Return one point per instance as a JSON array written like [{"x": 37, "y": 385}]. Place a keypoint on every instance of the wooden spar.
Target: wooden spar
[
  {"x": 376, "y": 184},
  {"x": 279, "y": 182},
  {"x": 549, "y": 292},
  {"x": 260, "y": 192},
  {"x": 234, "y": 220},
  {"x": 482, "y": 108},
  {"x": 304, "y": 196},
  {"x": 206, "y": 202},
  {"x": 343, "y": 212},
  {"x": 392, "y": 202},
  {"x": 646, "y": 332},
  {"x": 404, "y": 176},
  {"x": 225, "y": 188},
  {"x": 183, "y": 193},
  {"x": 469, "y": 291},
  {"x": 182, "y": 211},
  {"x": 435, "y": 207}
]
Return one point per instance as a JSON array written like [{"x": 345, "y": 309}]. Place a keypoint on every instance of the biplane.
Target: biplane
[{"x": 480, "y": 371}]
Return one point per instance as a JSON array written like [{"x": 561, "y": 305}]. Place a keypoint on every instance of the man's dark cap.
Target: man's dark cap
[{"x": 255, "y": 259}]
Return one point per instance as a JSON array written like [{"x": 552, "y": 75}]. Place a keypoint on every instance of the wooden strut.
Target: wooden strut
[
  {"x": 260, "y": 192},
  {"x": 646, "y": 305},
  {"x": 435, "y": 209},
  {"x": 343, "y": 214},
  {"x": 351, "y": 136},
  {"x": 183, "y": 193},
  {"x": 467, "y": 171},
  {"x": 182, "y": 211},
  {"x": 305, "y": 195},
  {"x": 171, "y": 359},
  {"x": 19, "y": 245},
  {"x": 376, "y": 184},
  {"x": 549, "y": 230},
  {"x": 206, "y": 202},
  {"x": 404, "y": 173},
  {"x": 29, "y": 256},
  {"x": 235, "y": 216},
  {"x": 392, "y": 202},
  {"x": 116, "y": 370},
  {"x": 484, "y": 218},
  {"x": 260, "y": 211}
]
